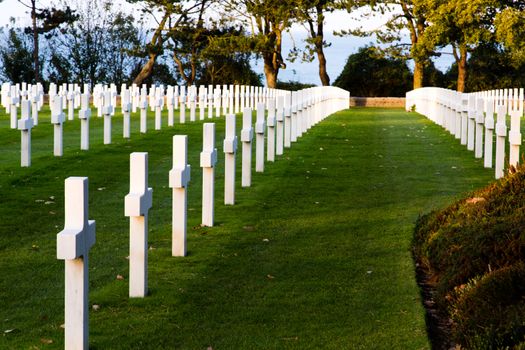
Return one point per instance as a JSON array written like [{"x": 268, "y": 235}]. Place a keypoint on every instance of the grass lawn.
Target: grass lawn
[{"x": 315, "y": 255}]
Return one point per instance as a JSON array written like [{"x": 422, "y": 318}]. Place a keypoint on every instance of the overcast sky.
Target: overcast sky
[{"x": 336, "y": 54}]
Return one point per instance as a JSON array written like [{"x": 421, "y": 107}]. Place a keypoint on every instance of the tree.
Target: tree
[
  {"x": 16, "y": 56},
  {"x": 312, "y": 13},
  {"x": 510, "y": 31},
  {"x": 370, "y": 72},
  {"x": 461, "y": 24},
  {"x": 176, "y": 14},
  {"x": 408, "y": 15},
  {"x": 50, "y": 19},
  {"x": 267, "y": 20}
]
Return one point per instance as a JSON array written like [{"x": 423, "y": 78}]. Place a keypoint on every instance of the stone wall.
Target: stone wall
[{"x": 388, "y": 102}]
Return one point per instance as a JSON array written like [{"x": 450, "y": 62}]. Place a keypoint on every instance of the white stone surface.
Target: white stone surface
[
  {"x": 246, "y": 139},
  {"x": 73, "y": 245},
  {"x": 230, "y": 150},
  {"x": 480, "y": 122},
  {"x": 489, "y": 132},
  {"x": 107, "y": 111},
  {"x": 143, "y": 106},
  {"x": 208, "y": 159},
  {"x": 137, "y": 203},
  {"x": 260, "y": 127},
  {"x": 179, "y": 178},
  {"x": 501, "y": 133},
  {"x": 279, "y": 126},
  {"x": 57, "y": 119},
  {"x": 270, "y": 137},
  {"x": 14, "y": 100},
  {"x": 25, "y": 124},
  {"x": 126, "y": 112}
]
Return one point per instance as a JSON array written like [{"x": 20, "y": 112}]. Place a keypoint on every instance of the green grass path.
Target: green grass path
[{"x": 315, "y": 255}]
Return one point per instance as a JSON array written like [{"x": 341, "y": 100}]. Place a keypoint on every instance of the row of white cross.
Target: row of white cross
[
  {"x": 232, "y": 98},
  {"x": 78, "y": 236},
  {"x": 470, "y": 118}
]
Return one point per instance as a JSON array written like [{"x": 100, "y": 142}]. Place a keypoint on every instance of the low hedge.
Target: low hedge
[{"x": 473, "y": 253}]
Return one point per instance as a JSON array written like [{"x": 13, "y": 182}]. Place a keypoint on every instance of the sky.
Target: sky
[{"x": 336, "y": 54}]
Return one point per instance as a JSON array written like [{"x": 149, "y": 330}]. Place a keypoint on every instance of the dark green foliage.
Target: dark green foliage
[
  {"x": 474, "y": 252},
  {"x": 16, "y": 56},
  {"x": 370, "y": 73},
  {"x": 291, "y": 85}
]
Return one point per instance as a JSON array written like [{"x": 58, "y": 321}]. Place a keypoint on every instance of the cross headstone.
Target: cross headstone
[
  {"x": 84, "y": 115},
  {"x": 489, "y": 131},
  {"x": 230, "y": 149},
  {"x": 35, "y": 98},
  {"x": 193, "y": 105},
  {"x": 471, "y": 122},
  {"x": 179, "y": 178},
  {"x": 237, "y": 98},
  {"x": 225, "y": 94},
  {"x": 14, "y": 100},
  {"x": 287, "y": 120},
  {"x": 210, "y": 101},
  {"x": 270, "y": 138},
  {"x": 279, "y": 128},
  {"x": 464, "y": 119},
  {"x": 501, "y": 133},
  {"x": 159, "y": 102},
  {"x": 182, "y": 111},
  {"x": 143, "y": 106},
  {"x": 170, "y": 103},
  {"x": 57, "y": 119},
  {"x": 480, "y": 121},
  {"x": 260, "y": 127},
  {"x": 208, "y": 159},
  {"x": 514, "y": 133},
  {"x": 243, "y": 97},
  {"x": 25, "y": 125},
  {"x": 217, "y": 101},
  {"x": 202, "y": 102},
  {"x": 246, "y": 139},
  {"x": 73, "y": 245},
  {"x": 126, "y": 112},
  {"x": 108, "y": 112},
  {"x": 70, "y": 95},
  {"x": 137, "y": 203},
  {"x": 457, "y": 110},
  {"x": 293, "y": 125}
]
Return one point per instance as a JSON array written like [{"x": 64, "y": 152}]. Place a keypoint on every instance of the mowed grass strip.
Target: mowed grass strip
[{"x": 316, "y": 254}]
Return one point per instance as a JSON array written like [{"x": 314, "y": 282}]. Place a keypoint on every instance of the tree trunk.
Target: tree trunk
[
  {"x": 270, "y": 71},
  {"x": 462, "y": 68},
  {"x": 36, "y": 62},
  {"x": 323, "y": 74},
  {"x": 154, "y": 44},
  {"x": 418, "y": 74}
]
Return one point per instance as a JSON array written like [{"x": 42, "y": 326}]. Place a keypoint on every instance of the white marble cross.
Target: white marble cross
[
  {"x": 514, "y": 132},
  {"x": 279, "y": 128},
  {"x": 25, "y": 125},
  {"x": 237, "y": 98},
  {"x": 73, "y": 245},
  {"x": 35, "y": 98},
  {"x": 84, "y": 115},
  {"x": 70, "y": 95},
  {"x": 501, "y": 133},
  {"x": 182, "y": 111},
  {"x": 471, "y": 122},
  {"x": 14, "y": 100},
  {"x": 464, "y": 119},
  {"x": 170, "y": 103},
  {"x": 137, "y": 203},
  {"x": 57, "y": 119},
  {"x": 143, "y": 106},
  {"x": 270, "y": 137},
  {"x": 287, "y": 119},
  {"x": 126, "y": 111},
  {"x": 225, "y": 94},
  {"x": 489, "y": 131},
  {"x": 230, "y": 149},
  {"x": 480, "y": 121},
  {"x": 179, "y": 177},
  {"x": 193, "y": 102},
  {"x": 107, "y": 111},
  {"x": 208, "y": 159},
  {"x": 293, "y": 124},
  {"x": 260, "y": 127},
  {"x": 210, "y": 101},
  {"x": 159, "y": 103},
  {"x": 246, "y": 139},
  {"x": 217, "y": 101},
  {"x": 202, "y": 102},
  {"x": 231, "y": 97}
]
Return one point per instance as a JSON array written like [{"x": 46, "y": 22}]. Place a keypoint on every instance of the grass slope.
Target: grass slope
[{"x": 316, "y": 254}]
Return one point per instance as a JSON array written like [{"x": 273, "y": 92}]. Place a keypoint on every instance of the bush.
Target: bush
[{"x": 474, "y": 254}]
